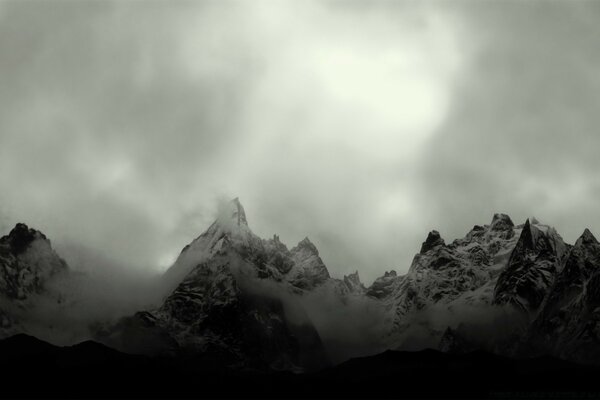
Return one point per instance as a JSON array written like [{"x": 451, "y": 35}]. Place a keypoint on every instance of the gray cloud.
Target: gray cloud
[
  {"x": 521, "y": 136},
  {"x": 360, "y": 124}
]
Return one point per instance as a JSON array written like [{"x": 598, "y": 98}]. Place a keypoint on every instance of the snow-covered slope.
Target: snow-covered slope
[
  {"x": 454, "y": 294},
  {"x": 462, "y": 272},
  {"x": 301, "y": 266}
]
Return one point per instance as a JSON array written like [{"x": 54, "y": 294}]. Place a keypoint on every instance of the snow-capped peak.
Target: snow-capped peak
[
  {"x": 586, "y": 238},
  {"x": 231, "y": 221},
  {"x": 309, "y": 270},
  {"x": 230, "y": 228},
  {"x": 232, "y": 214}
]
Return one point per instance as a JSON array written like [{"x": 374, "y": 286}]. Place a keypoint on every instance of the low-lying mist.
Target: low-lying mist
[
  {"x": 351, "y": 326},
  {"x": 99, "y": 291},
  {"x": 96, "y": 291},
  {"x": 484, "y": 326}
]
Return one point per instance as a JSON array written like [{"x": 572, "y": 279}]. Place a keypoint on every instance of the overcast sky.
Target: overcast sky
[{"x": 361, "y": 124}]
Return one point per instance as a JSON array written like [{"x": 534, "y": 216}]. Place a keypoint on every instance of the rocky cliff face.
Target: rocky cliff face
[
  {"x": 534, "y": 263},
  {"x": 515, "y": 290},
  {"x": 27, "y": 264},
  {"x": 568, "y": 322},
  {"x": 501, "y": 288},
  {"x": 237, "y": 298},
  {"x": 463, "y": 272},
  {"x": 308, "y": 270}
]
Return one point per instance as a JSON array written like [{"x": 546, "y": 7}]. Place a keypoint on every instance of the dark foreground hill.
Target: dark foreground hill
[{"x": 33, "y": 368}]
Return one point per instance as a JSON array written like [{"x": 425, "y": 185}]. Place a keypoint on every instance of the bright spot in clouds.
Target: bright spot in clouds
[
  {"x": 362, "y": 124},
  {"x": 367, "y": 84},
  {"x": 339, "y": 106},
  {"x": 309, "y": 111}
]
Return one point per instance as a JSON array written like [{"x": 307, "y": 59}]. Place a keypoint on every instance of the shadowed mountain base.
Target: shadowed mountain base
[{"x": 33, "y": 368}]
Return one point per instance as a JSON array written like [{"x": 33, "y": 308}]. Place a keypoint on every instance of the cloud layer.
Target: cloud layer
[{"x": 360, "y": 124}]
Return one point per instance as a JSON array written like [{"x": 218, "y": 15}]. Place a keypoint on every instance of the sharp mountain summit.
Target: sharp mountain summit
[{"x": 241, "y": 302}]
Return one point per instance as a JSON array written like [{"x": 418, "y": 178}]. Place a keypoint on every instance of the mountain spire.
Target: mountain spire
[
  {"x": 433, "y": 239},
  {"x": 239, "y": 215},
  {"x": 586, "y": 238},
  {"x": 527, "y": 235},
  {"x": 21, "y": 236},
  {"x": 231, "y": 215}
]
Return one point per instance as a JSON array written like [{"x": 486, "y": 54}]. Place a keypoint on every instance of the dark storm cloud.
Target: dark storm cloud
[{"x": 360, "y": 124}]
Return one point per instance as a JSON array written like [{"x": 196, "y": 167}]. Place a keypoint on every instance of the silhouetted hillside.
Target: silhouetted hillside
[{"x": 33, "y": 368}]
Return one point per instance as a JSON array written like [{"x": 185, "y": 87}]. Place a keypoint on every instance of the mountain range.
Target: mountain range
[{"x": 241, "y": 302}]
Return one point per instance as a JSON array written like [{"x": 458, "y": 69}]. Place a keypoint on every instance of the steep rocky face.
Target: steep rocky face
[
  {"x": 509, "y": 289},
  {"x": 537, "y": 258},
  {"x": 301, "y": 267},
  {"x": 568, "y": 324},
  {"x": 236, "y": 299},
  {"x": 341, "y": 289},
  {"x": 433, "y": 240},
  {"x": 463, "y": 272},
  {"x": 27, "y": 263},
  {"x": 223, "y": 307},
  {"x": 308, "y": 270},
  {"x": 502, "y": 223},
  {"x": 230, "y": 229}
]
